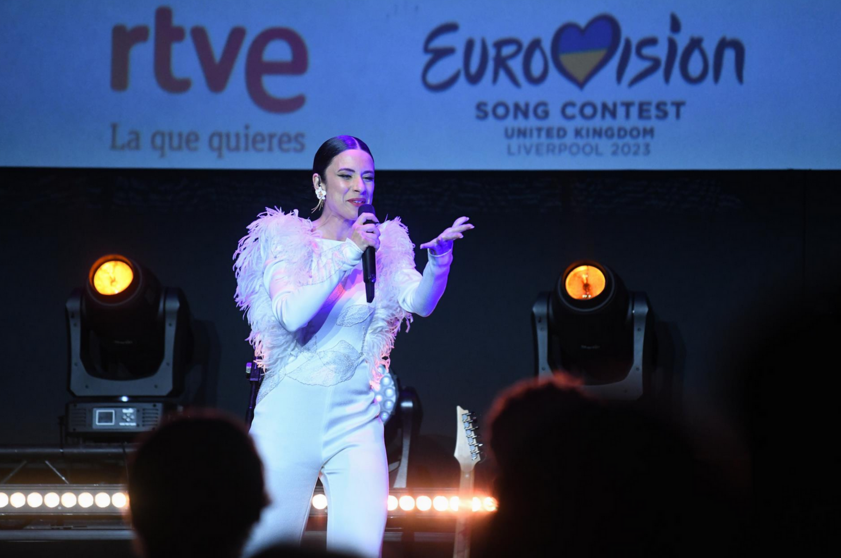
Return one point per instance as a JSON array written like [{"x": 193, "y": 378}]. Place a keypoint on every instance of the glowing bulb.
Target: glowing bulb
[
  {"x": 392, "y": 502},
  {"x": 407, "y": 503},
  {"x": 440, "y": 503},
  {"x": 102, "y": 500},
  {"x": 490, "y": 504},
  {"x": 424, "y": 503},
  {"x": 4, "y": 500},
  {"x": 585, "y": 282},
  {"x": 119, "y": 500},
  {"x": 34, "y": 500},
  {"x": 85, "y": 499},
  {"x": 18, "y": 500},
  {"x": 112, "y": 277},
  {"x": 454, "y": 503},
  {"x": 68, "y": 499},
  {"x": 319, "y": 501},
  {"x": 477, "y": 504},
  {"x": 51, "y": 500}
]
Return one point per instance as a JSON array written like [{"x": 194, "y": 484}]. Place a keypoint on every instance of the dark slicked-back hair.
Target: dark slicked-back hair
[
  {"x": 333, "y": 147},
  {"x": 196, "y": 487}
]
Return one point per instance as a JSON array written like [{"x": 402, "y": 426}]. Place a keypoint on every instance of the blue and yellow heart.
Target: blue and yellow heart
[{"x": 579, "y": 54}]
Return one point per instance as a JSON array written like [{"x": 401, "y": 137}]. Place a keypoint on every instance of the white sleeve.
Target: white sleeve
[
  {"x": 294, "y": 306},
  {"x": 420, "y": 294}
]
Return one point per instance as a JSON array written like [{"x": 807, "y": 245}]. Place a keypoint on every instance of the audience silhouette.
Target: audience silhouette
[
  {"x": 195, "y": 488},
  {"x": 581, "y": 477}
]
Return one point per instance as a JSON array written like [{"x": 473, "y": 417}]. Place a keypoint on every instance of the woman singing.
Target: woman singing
[{"x": 321, "y": 344}]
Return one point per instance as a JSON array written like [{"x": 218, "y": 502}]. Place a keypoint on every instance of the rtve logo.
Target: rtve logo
[{"x": 217, "y": 71}]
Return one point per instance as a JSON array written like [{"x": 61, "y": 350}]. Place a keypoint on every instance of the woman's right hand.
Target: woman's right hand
[{"x": 366, "y": 231}]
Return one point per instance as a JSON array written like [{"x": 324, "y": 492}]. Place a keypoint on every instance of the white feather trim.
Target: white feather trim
[{"x": 275, "y": 234}]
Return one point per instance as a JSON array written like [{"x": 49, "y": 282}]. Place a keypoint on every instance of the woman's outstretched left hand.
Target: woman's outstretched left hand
[{"x": 444, "y": 242}]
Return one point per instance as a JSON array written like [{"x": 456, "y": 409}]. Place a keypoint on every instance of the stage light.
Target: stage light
[
  {"x": 319, "y": 501},
  {"x": 440, "y": 503},
  {"x": 85, "y": 499},
  {"x": 81, "y": 500},
  {"x": 585, "y": 282},
  {"x": 129, "y": 337},
  {"x": 34, "y": 500},
  {"x": 51, "y": 500},
  {"x": 407, "y": 503},
  {"x": 130, "y": 334},
  {"x": 593, "y": 329},
  {"x": 401, "y": 503},
  {"x": 112, "y": 277},
  {"x": 111, "y": 501},
  {"x": 119, "y": 500},
  {"x": 102, "y": 500},
  {"x": 68, "y": 500},
  {"x": 424, "y": 503}
]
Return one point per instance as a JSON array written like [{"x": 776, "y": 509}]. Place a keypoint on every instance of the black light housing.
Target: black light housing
[
  {"x": 134, "y": 342},
  {"x": 593, "y": 329}
]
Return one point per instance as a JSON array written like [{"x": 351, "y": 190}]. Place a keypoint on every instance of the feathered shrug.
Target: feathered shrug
[{"x": 283, "y": 248}]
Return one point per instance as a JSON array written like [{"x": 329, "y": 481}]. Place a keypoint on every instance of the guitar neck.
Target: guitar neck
[
  {"x": 468, "y": 453},
  {"x": 465, "y": 508},
  {"x": 465, "y": 488}
]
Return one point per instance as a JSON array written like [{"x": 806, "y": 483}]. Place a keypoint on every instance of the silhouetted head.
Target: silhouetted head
[
  {"x": 195, "y": 487},
  {"x": 583, "y": 477}
]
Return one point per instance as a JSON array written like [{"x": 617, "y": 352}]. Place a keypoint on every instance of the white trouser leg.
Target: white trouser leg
[
  {"x": 302, "y": 429},
  {"x": 287, "y": 430},
  {"x": 356, "y": 485}
]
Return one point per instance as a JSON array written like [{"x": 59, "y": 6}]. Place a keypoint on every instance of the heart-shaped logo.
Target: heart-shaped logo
[{"x": 580, "y": 53}]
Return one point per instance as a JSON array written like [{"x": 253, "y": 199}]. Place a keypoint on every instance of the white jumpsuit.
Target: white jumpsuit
[{"x": 321, "y": 418}]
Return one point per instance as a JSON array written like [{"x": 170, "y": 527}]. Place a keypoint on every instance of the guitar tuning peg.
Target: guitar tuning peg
[{"x": 475, "y": 458}]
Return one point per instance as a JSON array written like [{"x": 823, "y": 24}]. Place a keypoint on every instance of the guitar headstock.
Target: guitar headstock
[{"x": 468, "y": 449}]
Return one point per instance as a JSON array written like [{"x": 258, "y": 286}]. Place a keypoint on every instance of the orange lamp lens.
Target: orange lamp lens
[
  {"x": 112, "y": 277},
  {"x": 585, "y": 282}
]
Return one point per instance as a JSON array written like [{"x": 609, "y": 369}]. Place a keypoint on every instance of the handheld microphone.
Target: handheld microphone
[{"x": 369, "y": 259}]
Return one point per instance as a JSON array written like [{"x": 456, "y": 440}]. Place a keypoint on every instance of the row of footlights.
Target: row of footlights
[
  {"x": 441, "y": 504},
  {"x": 35, "y": 500},
  {"x": 105, "y": 501}
]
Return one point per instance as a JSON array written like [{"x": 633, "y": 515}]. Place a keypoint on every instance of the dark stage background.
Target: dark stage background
[{"x": 720, "y": 255}]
